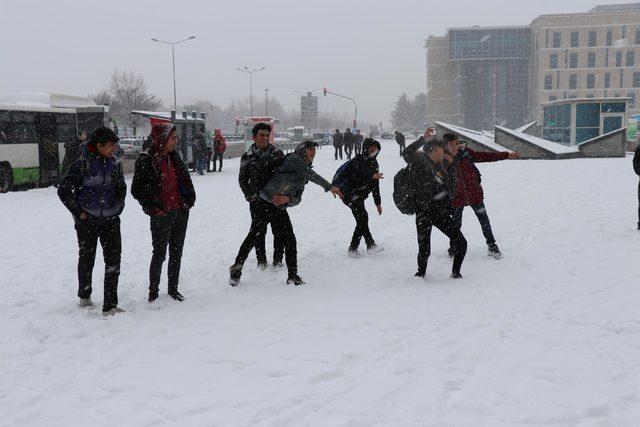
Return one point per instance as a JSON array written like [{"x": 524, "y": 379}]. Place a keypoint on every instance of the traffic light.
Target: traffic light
[{"x": 324, "y": 91}]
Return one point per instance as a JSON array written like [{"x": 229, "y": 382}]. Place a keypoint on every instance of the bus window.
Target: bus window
[
  {"x": 5, "y": 129},
  {"x": 24, "y": 133}
]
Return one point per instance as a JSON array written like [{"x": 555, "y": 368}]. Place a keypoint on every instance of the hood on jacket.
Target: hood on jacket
[
  {"x": 368, "y": 142},
  {"x": 302, "y": 147},
  {"x": 159, "y": 135}
]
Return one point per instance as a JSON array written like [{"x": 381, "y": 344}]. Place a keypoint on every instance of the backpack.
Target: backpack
[
  {"x": 404, "y": 190},
  {"x": 339, "y": 175}
]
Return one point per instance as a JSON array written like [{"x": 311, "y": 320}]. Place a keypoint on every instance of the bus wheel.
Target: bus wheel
[{"x": 6, "y": 177}]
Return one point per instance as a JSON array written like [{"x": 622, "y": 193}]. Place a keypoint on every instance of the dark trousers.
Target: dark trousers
[
  {"x": 167, "y": 230},
  {"x": 362, "y": 225},
  {"x": 358, "y": 149},
  {"x": 348, "y": 149},
  {"x": 481, "y": 212},
  {"x": 639, "y": 205},
  {"x": 107, "y": 230},
  {"x": 425, "y": 221},
  {"x": 338, "y": 151},
  {"x": 255, "y": 238},
  {"x": 401, "y": 149},
  {"x": 262, "y": 214},
  {"x": 218, "y": 157}
]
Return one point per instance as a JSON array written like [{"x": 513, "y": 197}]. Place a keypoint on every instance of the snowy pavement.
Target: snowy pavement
[{"x": 548, "y": 335}]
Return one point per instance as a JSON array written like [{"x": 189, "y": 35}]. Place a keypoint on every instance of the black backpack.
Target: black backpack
[{"x": 404, "y": 190}]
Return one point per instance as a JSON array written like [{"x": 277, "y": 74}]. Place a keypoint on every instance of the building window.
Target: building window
[
  {"x": 553, "y": 61},
  {"x": 575, "y": 39},
  {"x": 573, "y": 81},
  {"x": 609, "y": 37},
  {"x": 548, "y": 82},
  {"x": 591, "y": 81},
  {"x": 637, "y": 36},
  {"x": 557, "y": 39},
  {"x": 636, "y": 79},
  {"x": 593, "y": 40},
  {"x": 631, "y": 58},
  {"x": 591, "y": 60},
  {"x": 632, "y": 102},
  {"x": 552, "y": 98},
  {"x": 619, "y": 59},
  {"x": 607, "y": 80},
  {"x": 573, "y": 60}
]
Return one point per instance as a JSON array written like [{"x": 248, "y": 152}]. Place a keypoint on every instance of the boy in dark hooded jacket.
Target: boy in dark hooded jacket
[
  {"x": 163, "y": 187},
  {"x": 93, "y": 189},
  {"x": 361, "y": 176},
  {"x": 285, "y": 190}
]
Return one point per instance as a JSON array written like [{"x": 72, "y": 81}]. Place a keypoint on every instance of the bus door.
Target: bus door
[{"x": 47, "y": 147}]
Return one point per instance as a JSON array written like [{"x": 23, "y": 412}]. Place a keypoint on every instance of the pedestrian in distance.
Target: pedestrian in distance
[
  {"x": 257, "y": 166},
  {"x": 468, "y": 189},
  {"x": 349, "y": 141},
  {"x": 431, "y": 196},
  {"x": 162, "y": 185},
  {"x": 358, "y": 178},
  {"x": 284, "y": 191},
  {"x": 219, "y": 147},
  {"x": 73, "y": 151},
  {"x": 94, "y": 191},
  {"x": 338, "y": 143},
  {"x": 358, "y": 140},
  {"x": 400, "y": 140}
]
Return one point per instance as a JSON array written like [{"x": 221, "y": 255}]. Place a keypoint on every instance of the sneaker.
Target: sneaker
[
  {"x": 456, "y": 275},
  {"x": 234, "y": 275},
  {"x": 112, "y": 311},
  {"x": 374, "y": 249},
  {"x": 153, "y": 296},
  {"x": 277, "y": 265},
  {"x": 262, "y": 265},
  {"x": 420, "y": 274},
  {"x": 85, "y": 302},
  {"x": 353, "y": 253},
  {"x": 176, "y": 295},
  {"x": 295, "y": 279},
  {"x": 493, "y": 251}
]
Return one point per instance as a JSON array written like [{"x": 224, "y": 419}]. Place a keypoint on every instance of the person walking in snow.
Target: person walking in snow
[
  {"x": 636, "y": 168},
  {"x": 257, "y": 166},
  {"x": 357, "y": 179},
  {"x": 72, "y": 151},
  {"x": 432, "y": 199},
  {"x": 468, "y": 190},
  {"x": 219, "y": 147},
  {"x": 94, "y": 190},
  {"x": 338, "y": 142},
  {"x": 349, "y": 141},
  {"x": 357, "y": 143},
  {"x": 400, "y": 140},
  {"x": 163, "y": 187},
  {"x": 285, "y": 190}
]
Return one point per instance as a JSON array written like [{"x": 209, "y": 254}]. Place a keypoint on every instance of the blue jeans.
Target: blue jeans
[{"x": 481, "y": 212}]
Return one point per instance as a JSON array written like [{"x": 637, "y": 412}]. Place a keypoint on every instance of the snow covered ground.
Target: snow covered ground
[{"x": 549, "y": 335}]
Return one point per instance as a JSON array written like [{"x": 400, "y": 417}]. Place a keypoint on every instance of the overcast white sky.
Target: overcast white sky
[{"x": 369, "y": 51}]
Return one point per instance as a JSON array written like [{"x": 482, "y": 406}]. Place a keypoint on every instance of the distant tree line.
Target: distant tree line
[{"x": 410, "y": 115}]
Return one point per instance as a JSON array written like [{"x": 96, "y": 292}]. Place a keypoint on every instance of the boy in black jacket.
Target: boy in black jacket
[
  {"x": 432, "y": 197},
  {"x": 359, "y": 177},
  {"x": 93, "y": 189}
]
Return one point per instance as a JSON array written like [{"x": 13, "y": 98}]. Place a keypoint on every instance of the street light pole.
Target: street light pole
[
  {"x": 250, "y": 72},
  {"x": 173, "y": 62},
  {"x": 266, "y": 102},
  {"x": 325, "y": 91}
]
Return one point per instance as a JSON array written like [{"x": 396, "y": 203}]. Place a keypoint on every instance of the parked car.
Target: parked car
[{"x": 131, "y": 147}]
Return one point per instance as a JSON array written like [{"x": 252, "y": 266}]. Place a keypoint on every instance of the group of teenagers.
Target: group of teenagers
[
  {"x": 93, "y": 189},
  {"x": 348, "y": 142}
]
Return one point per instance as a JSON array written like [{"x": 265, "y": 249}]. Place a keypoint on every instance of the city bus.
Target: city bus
[{"x": 34, "y": 127}]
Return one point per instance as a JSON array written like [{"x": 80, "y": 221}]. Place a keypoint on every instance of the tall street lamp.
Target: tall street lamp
[
  {"x": 250, "y": 72},
  {"x": 173, "y": 60},
  {"x": 266, "y": 102}
]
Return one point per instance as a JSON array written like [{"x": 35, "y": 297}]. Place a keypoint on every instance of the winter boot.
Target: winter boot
[
  {"x": 456, "y": 275},
  {"x": 235, "y": 272},
  {"x": 262, "y": 266},
  {"x": 295, "y": 279},
  {"x": 353, "y": 253},
  {"x": 420, "y": 274},
  {"x": 85, "y": 302},
  {"x": 374, "y": 249},
  {"x": 493, "y": 251},
  {"x": 176, "y": 295},
  {"x": 111, "y": 312},
  {"x": 153, "y": 295}
]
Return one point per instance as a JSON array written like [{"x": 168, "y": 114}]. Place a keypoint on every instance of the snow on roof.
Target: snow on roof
[
  {"x": 525, "y": 127},
  {"x": 553, "y": 147},
  {"x": 164, "y": 115},
  {"x": 45, "y": 100},
  {"x": 481, "y": 137}
]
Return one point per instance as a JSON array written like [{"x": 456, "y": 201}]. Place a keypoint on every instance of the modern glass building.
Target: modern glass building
[{"x": 574, "y": 121}]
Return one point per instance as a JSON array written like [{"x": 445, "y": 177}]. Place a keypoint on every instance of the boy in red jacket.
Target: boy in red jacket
[
  {"x": 468, "y": 190},
  {"x": 219, "y": 147}
]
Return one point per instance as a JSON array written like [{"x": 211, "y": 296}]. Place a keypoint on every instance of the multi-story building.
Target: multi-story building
[{"x": 480, "y": 77}]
